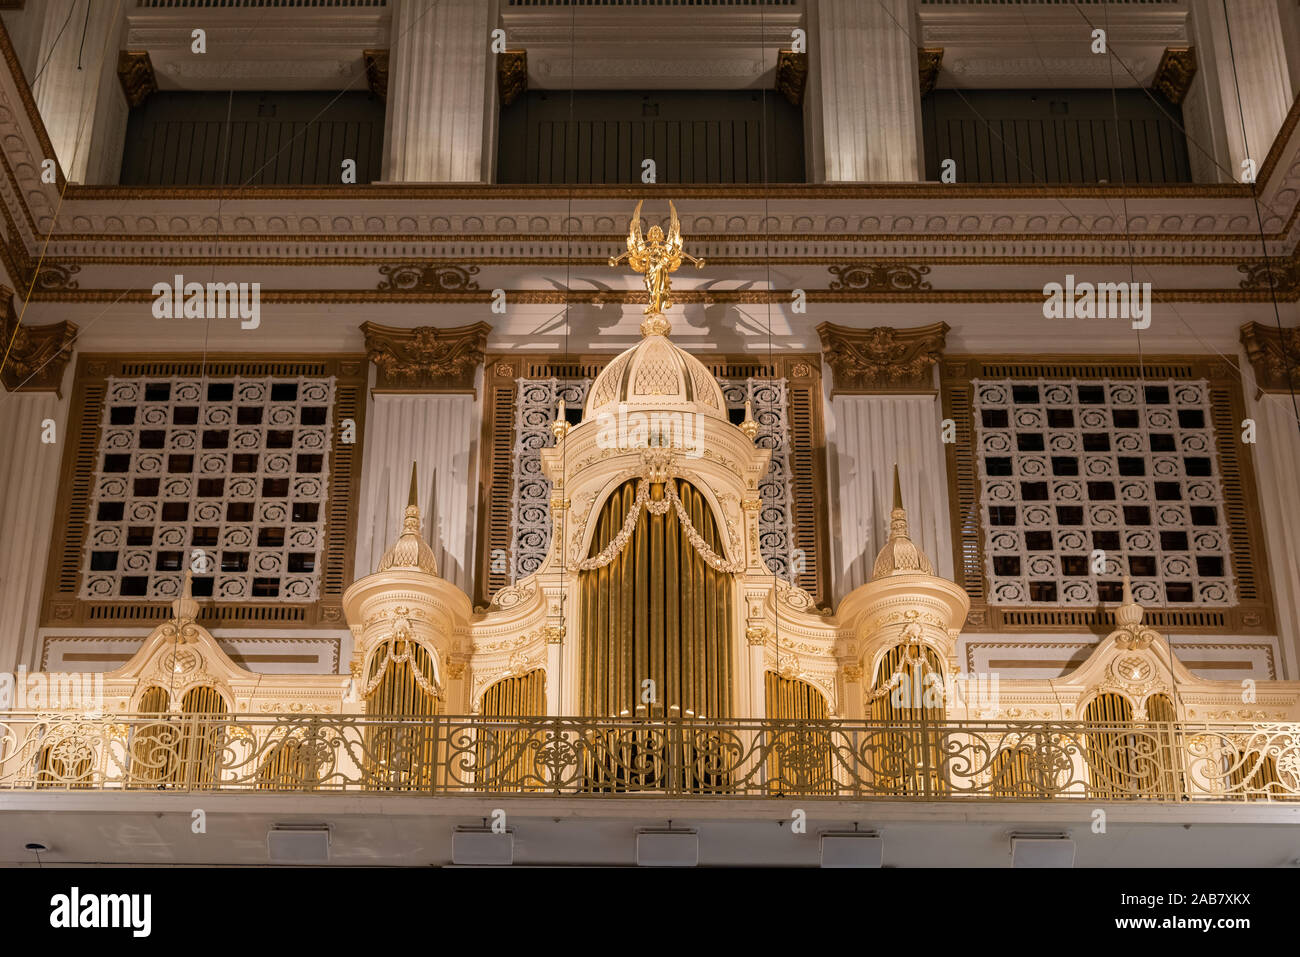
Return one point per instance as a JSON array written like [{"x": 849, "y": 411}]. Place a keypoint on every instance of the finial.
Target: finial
[
  {"x": 560, "y": 427},
  {"x": 1129, "y": 611},
  {"x": 900, "y": 554},
  {"x": 749, "y": 426},
  {"x": 410, "y": 550}
]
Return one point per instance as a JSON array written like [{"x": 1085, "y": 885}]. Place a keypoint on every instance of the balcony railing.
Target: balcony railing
[{"x": 904, "y": 761}]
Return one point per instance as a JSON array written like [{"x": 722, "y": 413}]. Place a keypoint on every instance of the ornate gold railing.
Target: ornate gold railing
[{"x": 897, "y": 760}]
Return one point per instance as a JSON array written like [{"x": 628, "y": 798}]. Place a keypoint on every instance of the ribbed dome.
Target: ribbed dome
[
  {"x": 656, "y": 374},
  {"x": 410, "y": 551},
  {"x": 900, "y": 556}
]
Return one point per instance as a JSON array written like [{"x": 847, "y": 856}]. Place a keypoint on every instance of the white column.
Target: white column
[
  {"x": 1277, "y": 464},
  {"x": 863, "y": 116},
  {"x": 865, "y": 436},
  {"x": 442, "y": 105},
  {"x": 29, "y": 486},
  {"x": 440, "y": 434},
  {"x": 25, "y": 27},
  {"x": 77, "y": 92},
  {"x": 1242, "y": 57}
]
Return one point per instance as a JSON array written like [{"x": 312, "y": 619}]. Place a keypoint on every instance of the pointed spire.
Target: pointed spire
[
  {"x": 410, "y": 551},
  {"x": 185, "y": 608},
  {"x": 900, "y": 554}
]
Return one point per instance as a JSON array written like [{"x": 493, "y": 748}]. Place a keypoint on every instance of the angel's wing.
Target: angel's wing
[
  {"x": 674, "y": 228},
  {"x": 634, "y": 240}
]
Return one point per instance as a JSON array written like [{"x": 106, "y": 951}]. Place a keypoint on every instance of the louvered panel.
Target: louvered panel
[
  {"x": 86, "y": 452},
  {"x": 344, "y": 489},
  {"x": 806, "y": 487},
  {"x": 1226, "y": 436},
  {"x": 501, "y": 439},
  {"x": 969, "y": 552}
]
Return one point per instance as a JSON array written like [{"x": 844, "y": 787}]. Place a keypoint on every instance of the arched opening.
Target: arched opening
[
  {"x": 799, "y": 751},
  {"x": 203, "y": 733},
  {"x": 656, "y": 642},
  {"x": 909, "y": 691},
  {"x": 1165, "y": 778},
  {"x": 656, "y": 612},
  {"x": 1123, "y": 760},
  {"x": 155, "y": 741},
  {"x": 401, "y": 683},
  {"x": 505, "y": 752}
]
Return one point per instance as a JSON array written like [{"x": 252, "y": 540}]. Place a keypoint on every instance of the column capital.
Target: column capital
[
  {"x": 425, "y": 359},
  {"x": 1274, "y": 355},
  {"x": 882, "y": 359},
  {"x": 37, "y": 355}
]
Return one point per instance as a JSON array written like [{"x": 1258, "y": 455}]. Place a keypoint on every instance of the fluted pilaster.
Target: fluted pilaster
[
  {"x": 865, "y": 99},
  {"x": 29, "y": 484},
  {"x": 77, "y": 92},
  {"x": 441, "y": 121},
  {"x": 1249, "y": 39}
]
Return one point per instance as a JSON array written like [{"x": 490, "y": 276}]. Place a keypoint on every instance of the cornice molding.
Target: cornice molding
[
  {"x": 882, "y": 359},
  {"x": 37, "y": 355},
  {"x": 135, "y": 72},
  {"x": 425, "y": 359},
  {"x": 1274, "y": 355}
]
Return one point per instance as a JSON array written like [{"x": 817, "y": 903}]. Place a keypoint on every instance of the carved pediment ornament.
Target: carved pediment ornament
[
  {"x": 135, "y": 72},
  {"x": 512, "y": 75},
  {"x": 425, "y": 359},
  {"x": 791, "y": 75},
  {"x": 376, "y": 63},
  {"x": 1274, "y": 355},
  {"x": 928, "y": 62},
  {"x": 1175, "y": 73},
  {"x": 37, "y": 355},
  {"x": 882, "y": 359}
]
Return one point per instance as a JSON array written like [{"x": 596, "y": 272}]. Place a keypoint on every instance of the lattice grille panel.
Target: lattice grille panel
[
  {"x": 226, "y": 477},
  {"x": 1082, "y": 480}
]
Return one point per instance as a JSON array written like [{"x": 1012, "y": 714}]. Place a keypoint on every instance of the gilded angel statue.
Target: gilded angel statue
[{"x": 655, "y": 257}]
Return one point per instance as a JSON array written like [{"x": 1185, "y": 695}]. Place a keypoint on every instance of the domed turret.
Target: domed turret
[{"x": 656, "y": 375}]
